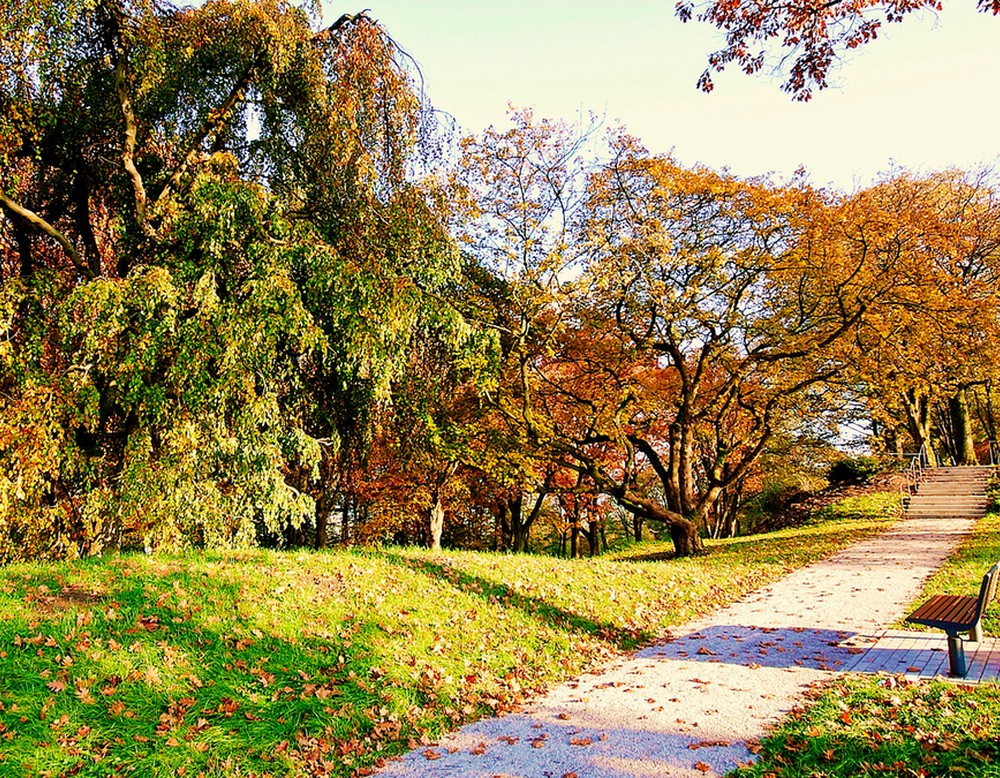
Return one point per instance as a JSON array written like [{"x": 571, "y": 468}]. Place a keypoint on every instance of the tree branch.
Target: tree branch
[
  {"x": 33, "y": 218},
  {"x": 128, "y": 152},
  {"x": 214, "y": 122}
]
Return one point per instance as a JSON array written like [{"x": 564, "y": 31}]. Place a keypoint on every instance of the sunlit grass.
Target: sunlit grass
[
  {"x": 871, "y": 726},
  {"x": 323, "y": 663}
]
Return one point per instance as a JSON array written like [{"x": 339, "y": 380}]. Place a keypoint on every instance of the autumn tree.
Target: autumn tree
[
  {"x": 934, "y": 340},
  {"x": 811, "y": 36},
  {"x": 706, "y": 314},
  {"x": 214, "y": 248},
  {"x": 669, "y": 318}
]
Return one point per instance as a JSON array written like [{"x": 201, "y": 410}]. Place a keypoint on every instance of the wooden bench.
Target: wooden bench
[{"x": 955, "y": 614}]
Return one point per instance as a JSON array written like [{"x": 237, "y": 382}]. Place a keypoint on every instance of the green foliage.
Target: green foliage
[
  {"x": 854, "y": 470},
  {"x": 863, "y": 506},
  {"x": 216, "y": 257},
  {"x": 290, "y": 664}
]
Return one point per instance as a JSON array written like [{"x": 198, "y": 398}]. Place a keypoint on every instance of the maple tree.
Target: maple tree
[
  {"x": 657, "y": 317},
  {"x": 812, "y": 35}
]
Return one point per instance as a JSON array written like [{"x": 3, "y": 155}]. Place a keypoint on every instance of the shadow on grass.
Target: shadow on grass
[
  {"x": 535, "y": 607},
  {"x": 163, "y": 692}
]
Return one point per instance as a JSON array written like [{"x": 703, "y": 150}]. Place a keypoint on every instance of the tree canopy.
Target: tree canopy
[{"x": 252, "y": 293}]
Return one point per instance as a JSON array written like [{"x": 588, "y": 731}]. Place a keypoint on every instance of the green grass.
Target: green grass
[
  {"x": 861, "y": 506},
  {"x": 887, "y": 727},
  {"x": 293, "y": 664}
]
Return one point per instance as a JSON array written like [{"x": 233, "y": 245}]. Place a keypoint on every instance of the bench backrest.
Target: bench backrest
[{"x": 988, "y": 589}]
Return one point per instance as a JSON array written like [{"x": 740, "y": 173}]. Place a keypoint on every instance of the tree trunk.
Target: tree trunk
[
  {"x": 683, "y": 531},
  {"x": 637, "y": 527},
  {"x": 918, "y": 418},
  {"x": 687, "y": 541},
  {"x": 961, "y": 422},
  {"x": 435, "y": 526},
  {"x": 322, "y": 519}
]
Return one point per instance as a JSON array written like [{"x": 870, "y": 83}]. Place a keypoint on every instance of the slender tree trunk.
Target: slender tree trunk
[
  {"x": 322, "y": 519},
  {"x": 672, "y": 486},
  {"x": 988, "y": 414},
  {"x": 961, "y": 423},
  {"x": 435, "y": 525},
  {"x": 688, "y": 487},
  {"x": 637, "y": 527},
  {"x": 918, "y": 417},
  {"x": 505, "y": 526}
]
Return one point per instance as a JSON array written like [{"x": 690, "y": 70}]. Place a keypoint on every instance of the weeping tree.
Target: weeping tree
[{"x": 215, "y": 243}]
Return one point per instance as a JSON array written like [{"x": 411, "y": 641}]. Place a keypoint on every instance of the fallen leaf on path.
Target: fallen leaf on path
[
  {"x": 430, "y": 754},
  {"x": 580, "y": 741}
]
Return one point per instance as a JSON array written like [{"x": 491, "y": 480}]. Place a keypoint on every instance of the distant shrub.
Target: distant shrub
[
  {"x": 878, "y": 505},
  {"x": 858, "y": 470}
]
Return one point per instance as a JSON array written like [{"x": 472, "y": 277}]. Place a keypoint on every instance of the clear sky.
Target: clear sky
[{"x": 924, "y": 95}]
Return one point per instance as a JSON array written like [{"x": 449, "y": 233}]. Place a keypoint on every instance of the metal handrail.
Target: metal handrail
[{"x": 915, "y": 473}]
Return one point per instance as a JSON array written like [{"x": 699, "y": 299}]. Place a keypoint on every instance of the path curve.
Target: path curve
[{"x": 688, "y": 707}]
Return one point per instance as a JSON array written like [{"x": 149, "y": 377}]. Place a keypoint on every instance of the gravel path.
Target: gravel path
[{"x": 690, "y": 705}]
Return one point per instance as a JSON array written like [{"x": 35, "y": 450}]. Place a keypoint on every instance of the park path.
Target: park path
[{"x": 688, "y": 707}]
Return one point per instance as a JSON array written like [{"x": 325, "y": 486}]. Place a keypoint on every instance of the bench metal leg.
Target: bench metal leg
[
  {"x": 976, "y": 633},
  {"x": 956, "y": 657}
]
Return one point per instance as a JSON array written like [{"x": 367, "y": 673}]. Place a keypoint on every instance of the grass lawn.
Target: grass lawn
[
  {"x": 294, "y": 664},
  {"x": 861, "y": 726}
]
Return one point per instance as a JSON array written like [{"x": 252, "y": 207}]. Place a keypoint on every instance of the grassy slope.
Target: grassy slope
[
  {"x": 891, "y": 727},
  {"x": 285, "y": 664}
]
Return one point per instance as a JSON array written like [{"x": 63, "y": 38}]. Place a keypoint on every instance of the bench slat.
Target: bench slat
[{"x": 955, "y": 611}]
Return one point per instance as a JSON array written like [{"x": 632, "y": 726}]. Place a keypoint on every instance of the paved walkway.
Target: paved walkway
[{"x": 688, "y": 707}]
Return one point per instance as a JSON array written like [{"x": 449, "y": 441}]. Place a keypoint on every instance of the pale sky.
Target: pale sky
[{"x": 924, "y": 95}]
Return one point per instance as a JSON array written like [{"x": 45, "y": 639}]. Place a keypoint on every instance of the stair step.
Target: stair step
[{"x": 945, "y": 514}]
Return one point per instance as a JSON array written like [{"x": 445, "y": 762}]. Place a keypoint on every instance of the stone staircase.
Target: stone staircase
[{"x": 951, "y": 492}]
